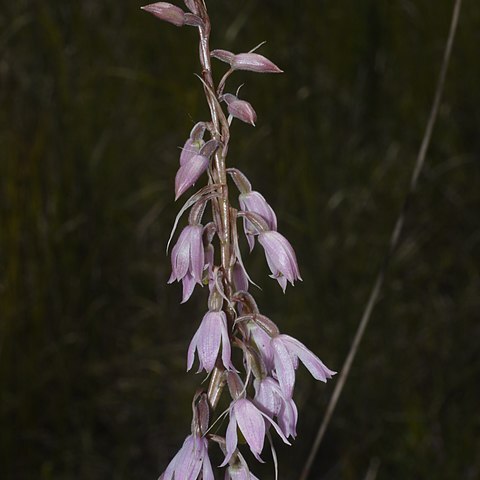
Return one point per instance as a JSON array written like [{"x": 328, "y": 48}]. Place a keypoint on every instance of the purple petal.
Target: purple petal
[
  {"x": 254, "y": 62},
  {"x": 188, "y": 283},
  {"x": 197, "y": 253},
  {"x": 190, "y": 461},
  {"x": 266, "y": 396},
  {"x": 209, "y": 339},
  {"x": 231, "y": 437},
  {"x": 189, "y": 173},
  {"x": 283, "y": 366},
  {"x": 191, "y": 350},
  {"x": 190, "y": 149},
  {"x": 226, "y": 349},
  {"x": 255, "y": 202},
  {"x": 207, "y": 471},
  {"x": 280, "y": 256},
  {"x": 181, "y": 255},
  {"x": 313, "y": 364},
  {"x": 240, "y": 278},
  {"x": 251, "y": 425}
]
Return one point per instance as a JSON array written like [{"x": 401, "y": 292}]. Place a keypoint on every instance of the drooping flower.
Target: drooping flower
[
  {"x": 188, "y": 259},
  {"x": 251, "y": 422},
  {"x": 211, "y": 334},
  {"x": 240, "y": 109},
  {"x": 270, "y": 398},
  {"x": 189, "y": 461},
  {"x": 193, "y": 166},
  {"x": 281, "y": 257},
  {"x": 189, "y": 173},
  {"x": 255, "y": 202},
  {"x": 286, "y": 353}
]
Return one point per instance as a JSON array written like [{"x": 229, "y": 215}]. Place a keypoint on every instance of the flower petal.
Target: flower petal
[
  {"x": 313, "y": 364},
  {"x": 283, "y": 366},
  {"x": 231, "y": 438},
  {"x": 251, "y": 425}
]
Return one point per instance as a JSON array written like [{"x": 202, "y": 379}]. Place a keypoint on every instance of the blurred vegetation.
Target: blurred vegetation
[{"x": 96, "y": 98}]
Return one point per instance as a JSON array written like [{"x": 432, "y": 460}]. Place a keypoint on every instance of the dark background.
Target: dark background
[{"x": 96, "y": 97}]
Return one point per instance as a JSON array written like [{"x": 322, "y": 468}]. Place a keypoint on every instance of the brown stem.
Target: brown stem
[{"x": 220, "y": 132}]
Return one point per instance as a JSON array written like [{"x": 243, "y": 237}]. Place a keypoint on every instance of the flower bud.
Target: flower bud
[
  {"x": 254, "y": 62},
  {"x": 167, "y": 12},
  {"x": 240, "y": 109}
]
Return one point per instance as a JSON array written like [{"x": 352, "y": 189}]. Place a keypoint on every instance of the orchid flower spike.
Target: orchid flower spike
[
  {"x": 286, "y": 353},
  {"x": 281, "y": 257},
  {"x": 251, "y": 421},
  {"x": 189, "y": 461},
  {"x": 212, "y": 333},
  {"x": 188, "y": 259}
]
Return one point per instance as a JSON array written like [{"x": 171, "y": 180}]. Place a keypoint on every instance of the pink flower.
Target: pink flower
[
  {"x": 192, "y": 164},
  {"x": 188, "y": 259},
  {"x": 210, "y": 335},
  {"x": 190, "y": 459},
  {"x": 286, "y": 353},
  {"x": 270, "y": 398},
  {"x": 255, "y": 202},
  {"x": 250, "y": 420},
  {"x": 280, "y": 257},
  {"x": 189, "y": 173}
]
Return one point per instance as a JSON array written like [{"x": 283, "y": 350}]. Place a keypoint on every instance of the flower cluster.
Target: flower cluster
[{"x": 208, "y": 253}]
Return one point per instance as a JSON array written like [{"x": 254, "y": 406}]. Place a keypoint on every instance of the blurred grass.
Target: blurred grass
[{"x": 96, "y": 98}]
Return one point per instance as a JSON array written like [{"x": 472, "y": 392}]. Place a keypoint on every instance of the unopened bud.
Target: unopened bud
[
  {"x": 240, "y": 109},
  {"x": 254, "y": 62},
  {"x": 167, "y": 12}
]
